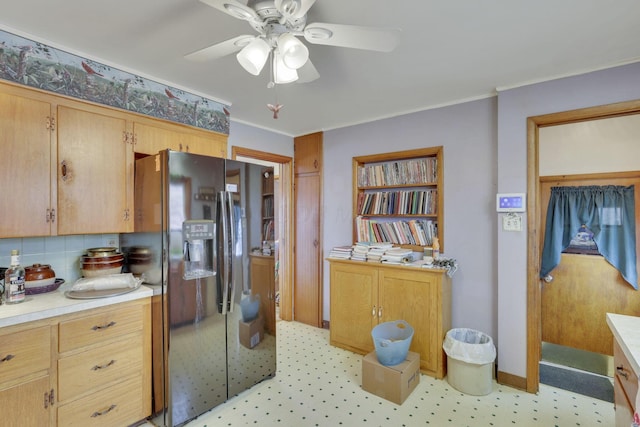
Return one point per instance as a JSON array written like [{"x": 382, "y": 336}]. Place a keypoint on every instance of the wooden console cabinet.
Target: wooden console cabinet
[{"x": 365, "y": 294}]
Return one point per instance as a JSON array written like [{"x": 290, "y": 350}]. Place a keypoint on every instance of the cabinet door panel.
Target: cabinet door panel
[
  {"x": 353, "y": 305},
  {"x": 151, "y": 139},
  {"x": 23, "y": 405},
  {"x": 409, "y": 296},
  {"x": 92, "y": 172},
  {"x": 26, "y": 169}
]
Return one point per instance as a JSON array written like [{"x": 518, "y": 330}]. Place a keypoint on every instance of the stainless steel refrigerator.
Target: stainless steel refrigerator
[{"x": 201, "y": 216}]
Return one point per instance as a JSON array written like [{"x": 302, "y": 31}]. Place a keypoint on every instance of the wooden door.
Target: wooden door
[
  {"x": 411, "y": 296},
  {"x": 307, "y": 304},
  {"x": 585, "y": 287},
  {"x": 25, "y": 140},
  {"x": 95, "y": 173},
  {"x": 354, "y": 305},
  {"x": 307, "y": 293}
]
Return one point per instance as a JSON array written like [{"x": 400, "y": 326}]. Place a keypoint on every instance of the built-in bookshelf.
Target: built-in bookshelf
[
  {"x": 398, "y": 197},
  {"x": 268, "y": 231}
]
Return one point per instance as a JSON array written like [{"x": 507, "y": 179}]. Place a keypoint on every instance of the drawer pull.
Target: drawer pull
[
  {"x": 98, "y": 367},
  {"x": 108, "y": 325},
  {"x": 621, "y": 371},
  {"x": 106, "y": 411},
  {"x": 7, "y": 358}
]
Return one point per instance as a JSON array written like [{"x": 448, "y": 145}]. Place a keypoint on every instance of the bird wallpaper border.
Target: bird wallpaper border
[{"x": 44, "y": 67}]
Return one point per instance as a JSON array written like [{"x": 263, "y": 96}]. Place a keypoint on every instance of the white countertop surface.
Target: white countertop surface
[
  {"x": 626, "y": 330},
  {"x": 42, "y": 306}
]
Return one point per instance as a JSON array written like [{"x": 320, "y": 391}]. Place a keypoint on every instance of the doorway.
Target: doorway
[
  {"x": 535, "y": 210},
  {"x": 283, "y": 226}
]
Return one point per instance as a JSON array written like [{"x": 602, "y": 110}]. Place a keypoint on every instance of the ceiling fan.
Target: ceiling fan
[{"x": 279, "y": 23}]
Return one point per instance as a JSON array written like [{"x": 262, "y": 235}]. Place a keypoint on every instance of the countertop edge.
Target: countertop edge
[
  {"x": 626, "y": 331},
  {"x": 44, "y": 306}
]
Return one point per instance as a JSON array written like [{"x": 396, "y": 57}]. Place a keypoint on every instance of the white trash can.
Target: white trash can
[{"x": 470, "y": 358}]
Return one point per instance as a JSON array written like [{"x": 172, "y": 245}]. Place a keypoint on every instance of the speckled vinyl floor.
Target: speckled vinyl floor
[{"x": 319, "y": 385}]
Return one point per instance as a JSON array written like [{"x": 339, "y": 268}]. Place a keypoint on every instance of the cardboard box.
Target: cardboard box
[
  {"x": 394, "y": 383},
  {"x": 251, "y": 333}
]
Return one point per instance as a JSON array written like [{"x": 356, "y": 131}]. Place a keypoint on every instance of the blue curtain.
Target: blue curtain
[{"x": 608, "y": 211}]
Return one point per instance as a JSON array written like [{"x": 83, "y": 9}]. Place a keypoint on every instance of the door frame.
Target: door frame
[
  {"x": 285, "y": 250},
  {"x": 534, "y": 290}
]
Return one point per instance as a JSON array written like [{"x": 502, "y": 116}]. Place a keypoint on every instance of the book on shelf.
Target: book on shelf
[
  {"x": 401, "y": 172},
  {"x": 406, "y": 202},
  {"x": 418, "y": 232}
]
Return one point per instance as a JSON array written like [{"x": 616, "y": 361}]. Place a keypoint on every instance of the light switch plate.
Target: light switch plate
[{"x": 512, "y": 222}]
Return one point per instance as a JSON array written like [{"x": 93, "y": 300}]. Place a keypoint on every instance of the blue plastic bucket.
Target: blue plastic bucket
[
  {"x": 250, "y": 307},
  {"x": 392, "y": 341}
]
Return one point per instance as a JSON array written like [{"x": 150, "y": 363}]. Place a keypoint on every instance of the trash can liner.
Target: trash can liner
[{"x": 469, "y": 345}]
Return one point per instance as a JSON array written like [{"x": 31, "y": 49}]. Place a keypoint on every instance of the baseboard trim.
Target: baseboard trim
[{"x": 512, "y": 380}]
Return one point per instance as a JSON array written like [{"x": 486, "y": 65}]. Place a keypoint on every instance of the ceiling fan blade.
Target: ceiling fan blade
[
  {"x": 353, "y": 36},
  {"x": 307, "y": 73},
  {"x": 221, "y": 49},
  {"x": 233, "y": 8}
]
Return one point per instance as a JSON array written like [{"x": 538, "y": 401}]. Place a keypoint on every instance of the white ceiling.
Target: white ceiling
[{"x": 450, "y": 51}]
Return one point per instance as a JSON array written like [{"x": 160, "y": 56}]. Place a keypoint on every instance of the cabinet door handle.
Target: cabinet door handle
[
  {"x": 380, "y": 312},
  {"x": 98, "y": 367},
  {"x": 64, "y": 170},
  {"x": 108, "y": 325},
  {"x": 373, "y": 312},
  {"x": 7, "y": 358},
  {"x": 622, "y": 372},
  {"x": 106, "y": 411}
]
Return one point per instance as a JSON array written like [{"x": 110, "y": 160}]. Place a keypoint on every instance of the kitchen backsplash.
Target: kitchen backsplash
[{"x": 61, "y": 252}]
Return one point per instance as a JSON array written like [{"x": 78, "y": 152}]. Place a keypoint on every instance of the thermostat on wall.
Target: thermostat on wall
[{"x": 511, "y": 202}]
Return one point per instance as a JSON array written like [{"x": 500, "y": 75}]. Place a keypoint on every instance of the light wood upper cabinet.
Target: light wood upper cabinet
[
  {"x": 71, "y": 163},
  {"x": 152, "y": 136},
  {"x": 95, "y": 172},
  {"x": 308, "y": 153},
  {"x": 26, "y": 143}
]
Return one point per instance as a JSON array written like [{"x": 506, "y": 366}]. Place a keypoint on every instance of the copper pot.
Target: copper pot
[{"x": 38, "y": 272}]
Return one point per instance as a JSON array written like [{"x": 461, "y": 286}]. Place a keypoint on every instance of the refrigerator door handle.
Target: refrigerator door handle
[
  {"x": 232, "y": 242},
  {"x": 225, "y": 254}
]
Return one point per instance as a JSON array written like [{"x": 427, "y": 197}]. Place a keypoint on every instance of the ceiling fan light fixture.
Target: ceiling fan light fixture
[
  {"x": 281, "y": 73},
  {"x": 254, "y": 55},
  {"x": 293, "y": 52}
]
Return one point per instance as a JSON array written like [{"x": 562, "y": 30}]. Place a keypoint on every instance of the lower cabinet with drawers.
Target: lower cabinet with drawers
[
  {"x": 89, "y": 368},
  {"x": 625, "y": 387}
]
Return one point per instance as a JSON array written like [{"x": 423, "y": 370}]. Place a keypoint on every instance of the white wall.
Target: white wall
[
  {"x": 467, "y": 133},
  {"x": 594, "y": 146},
  {"x": 514, "y": 106}
]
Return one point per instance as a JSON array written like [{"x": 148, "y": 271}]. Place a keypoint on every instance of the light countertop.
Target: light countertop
[
  {"x": 626, "y": 330},
  {"x": 51, "y": 304}
]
